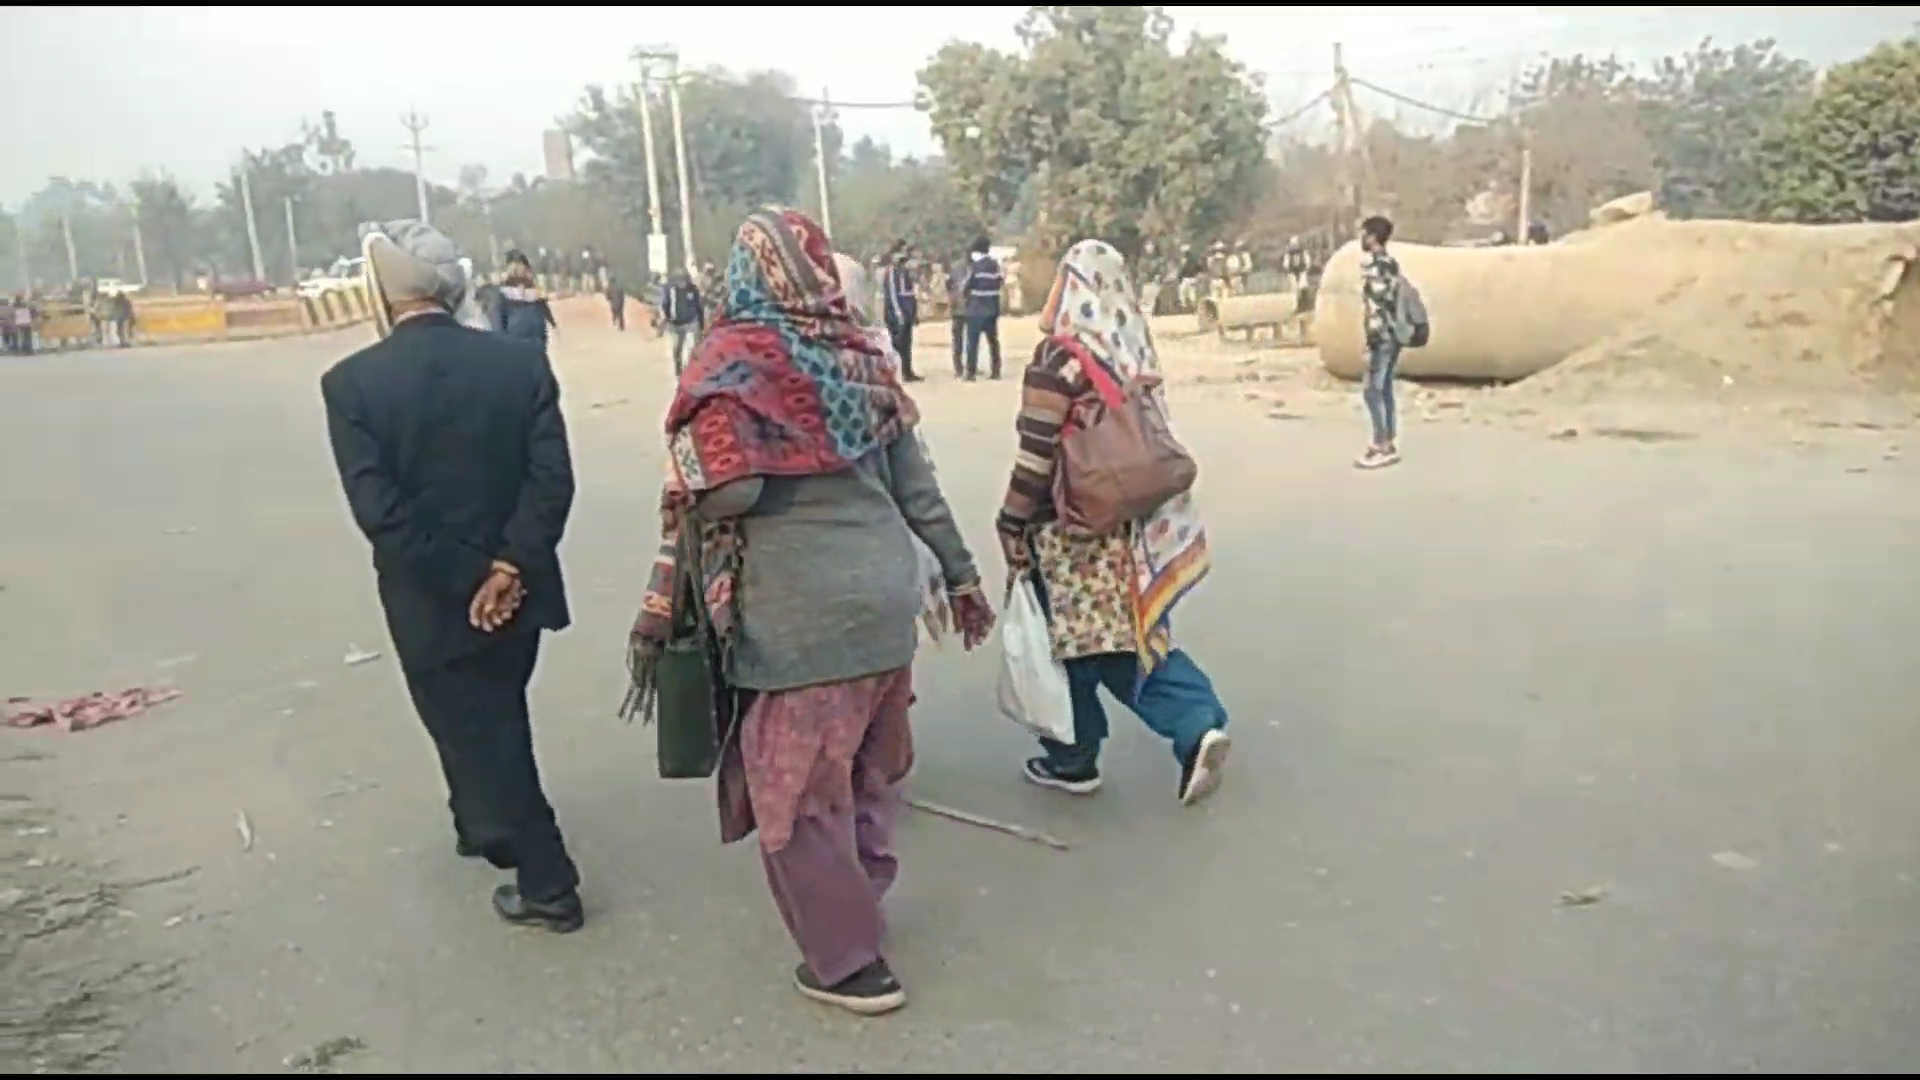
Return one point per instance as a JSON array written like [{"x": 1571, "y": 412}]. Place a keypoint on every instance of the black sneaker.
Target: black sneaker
[
  {"x": 1201, "y": 775},
  {"x": 562, "y": 916},
  {"x": 467, "y": 849},
  {"x": 871, "y": 991},
  {"x": 1041, "y": 771}
]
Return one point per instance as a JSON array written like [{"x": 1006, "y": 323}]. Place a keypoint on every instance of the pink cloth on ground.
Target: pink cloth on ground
[{"x": 88, "y": 710}]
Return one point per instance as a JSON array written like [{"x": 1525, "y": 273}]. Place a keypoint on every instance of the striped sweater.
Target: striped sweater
[{"x": 1052, "y": 383}]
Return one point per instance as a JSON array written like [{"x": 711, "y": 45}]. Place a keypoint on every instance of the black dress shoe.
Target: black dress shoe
[{"x": 562, "y": 916}]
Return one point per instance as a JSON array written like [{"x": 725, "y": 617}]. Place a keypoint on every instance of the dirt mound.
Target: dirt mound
[
  {"x": 1785, "y": 308},
  {"x": 1654, "y": 303}
]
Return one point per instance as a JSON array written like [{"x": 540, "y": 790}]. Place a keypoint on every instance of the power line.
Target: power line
[
  {"x": 1437, "y": 110},
  {"x": 812, "y": 103},
  {"x": 1318, "y": 100},
  {"x": 1455, "y": 57}
]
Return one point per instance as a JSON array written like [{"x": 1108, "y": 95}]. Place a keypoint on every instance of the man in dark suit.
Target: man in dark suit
[{"x": 453, "y": 454}]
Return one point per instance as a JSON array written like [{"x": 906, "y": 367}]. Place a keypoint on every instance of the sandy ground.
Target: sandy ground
[{"x": 1556, "y": 752}]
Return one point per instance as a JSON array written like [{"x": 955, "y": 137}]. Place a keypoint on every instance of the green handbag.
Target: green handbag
[{"x": 694, "y": 707}]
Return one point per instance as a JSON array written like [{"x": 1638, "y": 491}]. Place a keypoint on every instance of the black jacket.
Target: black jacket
[
  {"x": 453, "y": 453},
  {"x": 903, "y": 301},
  {"x": 680, "y": 305},
  {"x": 983, "y": 284}
]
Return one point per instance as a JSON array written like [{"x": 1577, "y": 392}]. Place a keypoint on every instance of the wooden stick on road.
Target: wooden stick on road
[{"x": 1020, "y": 832}]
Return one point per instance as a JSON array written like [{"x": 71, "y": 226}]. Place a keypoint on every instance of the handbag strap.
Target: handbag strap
[
  {"x": 1104, "y": 383},
  {"x": 687, "y": 560}
]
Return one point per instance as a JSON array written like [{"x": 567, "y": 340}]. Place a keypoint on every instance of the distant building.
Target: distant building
[{"x": 559, "y": 154}]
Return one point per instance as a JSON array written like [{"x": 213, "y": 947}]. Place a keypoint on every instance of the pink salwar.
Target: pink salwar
[{"x": 817, "y": 771}]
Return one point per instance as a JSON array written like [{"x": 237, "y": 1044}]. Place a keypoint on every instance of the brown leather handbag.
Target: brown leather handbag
[{"x": 1118, "y": 460}]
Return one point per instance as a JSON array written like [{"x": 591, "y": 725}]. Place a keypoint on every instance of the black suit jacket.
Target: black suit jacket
[{"x": 453, "y": 453}]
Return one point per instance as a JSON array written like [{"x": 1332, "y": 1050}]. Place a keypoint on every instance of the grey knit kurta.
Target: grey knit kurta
[{"x": 828, "y": 588}]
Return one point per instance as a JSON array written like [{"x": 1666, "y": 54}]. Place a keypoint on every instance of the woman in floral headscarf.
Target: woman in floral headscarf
[
  {"x": 791, "y": 451},
  {"x": 1109, "y": 598}
]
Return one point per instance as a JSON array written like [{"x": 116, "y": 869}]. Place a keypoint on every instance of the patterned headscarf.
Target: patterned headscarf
[
  {"x": 1092, "y": 301},
  {"x": 787, "y": 382}
]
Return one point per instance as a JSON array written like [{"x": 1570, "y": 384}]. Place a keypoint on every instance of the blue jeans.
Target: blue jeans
[
  {"x": 1177, "y": 702},
  {"x": 683, "y": 338},
  {"x": 1377, "y": 390}
]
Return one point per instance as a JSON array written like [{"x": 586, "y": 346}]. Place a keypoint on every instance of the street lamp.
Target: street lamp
[{"x": 669, "y": 56}]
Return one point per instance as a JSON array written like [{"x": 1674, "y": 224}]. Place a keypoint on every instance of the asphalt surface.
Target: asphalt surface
[{"x": 1556, "y": 756}]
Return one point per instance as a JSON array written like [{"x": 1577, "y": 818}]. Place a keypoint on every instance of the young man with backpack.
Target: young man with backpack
[{"x": 1395, "y": 319}]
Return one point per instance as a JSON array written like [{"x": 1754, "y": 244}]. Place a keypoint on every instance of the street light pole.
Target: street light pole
[
  {"x": 293, "y": 243},
  {"x": 416, "y": 125},
  {"x": 139, "y": 245},
  {"x": 657, "y": 235},
  {"x": 821, "y": 115},
  {"x": 73, "y": 253},
  {"x": 680, "y": 160},
  {"x": 253, "y": 230}
]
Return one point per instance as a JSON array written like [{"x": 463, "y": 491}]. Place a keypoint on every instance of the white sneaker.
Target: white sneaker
[{"x": 1202, "y": 776}]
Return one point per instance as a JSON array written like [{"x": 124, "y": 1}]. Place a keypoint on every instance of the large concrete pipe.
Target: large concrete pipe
[
  {"x": 1246, "y": 312},
  {"x": 1498, "y": 313}
]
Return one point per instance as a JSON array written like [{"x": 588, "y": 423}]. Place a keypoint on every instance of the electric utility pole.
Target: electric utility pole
[{"x": 416, "y": 125}]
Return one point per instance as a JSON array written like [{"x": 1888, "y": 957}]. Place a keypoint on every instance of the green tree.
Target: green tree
[
  {"x": 1111, "y": 131},
  {"x": 1581, "y": 116},
  {"x": 1851, "y": 152},
  {"x": 333, "y": 152},
  {"x": 97, "y": 219},
  {"x": 273, "y": 176},
  {"x": 167, "y": 228},
  {"x": 749, "y": 141},
  {"x": 877, "y": 200},
  {"x": 1707, "y": 114}
]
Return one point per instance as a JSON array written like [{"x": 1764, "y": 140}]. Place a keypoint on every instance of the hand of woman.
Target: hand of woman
[
  {"x": 972, "y": 614},
  {"x": 1017, "y": 552},
  {"x": 643, "y": 655}
]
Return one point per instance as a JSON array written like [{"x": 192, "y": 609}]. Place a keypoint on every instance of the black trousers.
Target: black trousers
[
  {"x": 902, "y": 344},
  {"x": 619, "y": 312},
  {"x": 475, "y": 708},
  {"x": 988, "y": 328},
  {"x": 959, "y": 345}
]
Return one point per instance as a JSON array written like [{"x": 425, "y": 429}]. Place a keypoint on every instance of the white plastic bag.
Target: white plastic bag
[{"x": 1033, "y": 685}]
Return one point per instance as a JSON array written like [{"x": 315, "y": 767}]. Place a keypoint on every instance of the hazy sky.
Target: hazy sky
[{"x": 117, "y": 90}]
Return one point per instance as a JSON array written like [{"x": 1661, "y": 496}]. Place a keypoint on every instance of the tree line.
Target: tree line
[{"x": 1099, "y": 123}]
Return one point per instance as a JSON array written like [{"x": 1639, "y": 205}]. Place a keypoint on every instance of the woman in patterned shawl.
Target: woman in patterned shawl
[
  {"x": 1109, "y": 598},
  {"x": 790, "y": 449}
]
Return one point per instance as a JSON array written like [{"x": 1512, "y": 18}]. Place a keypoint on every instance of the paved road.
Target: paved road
[{"x": 1678, "y": 677}]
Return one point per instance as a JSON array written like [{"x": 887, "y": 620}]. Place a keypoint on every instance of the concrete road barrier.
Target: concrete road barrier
[
  {"x": 275, "y": 317},
  {"x": 179, "y": 318},
  {"x": 63, "y": 324},
  {"x": 161, "y": 320}
]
